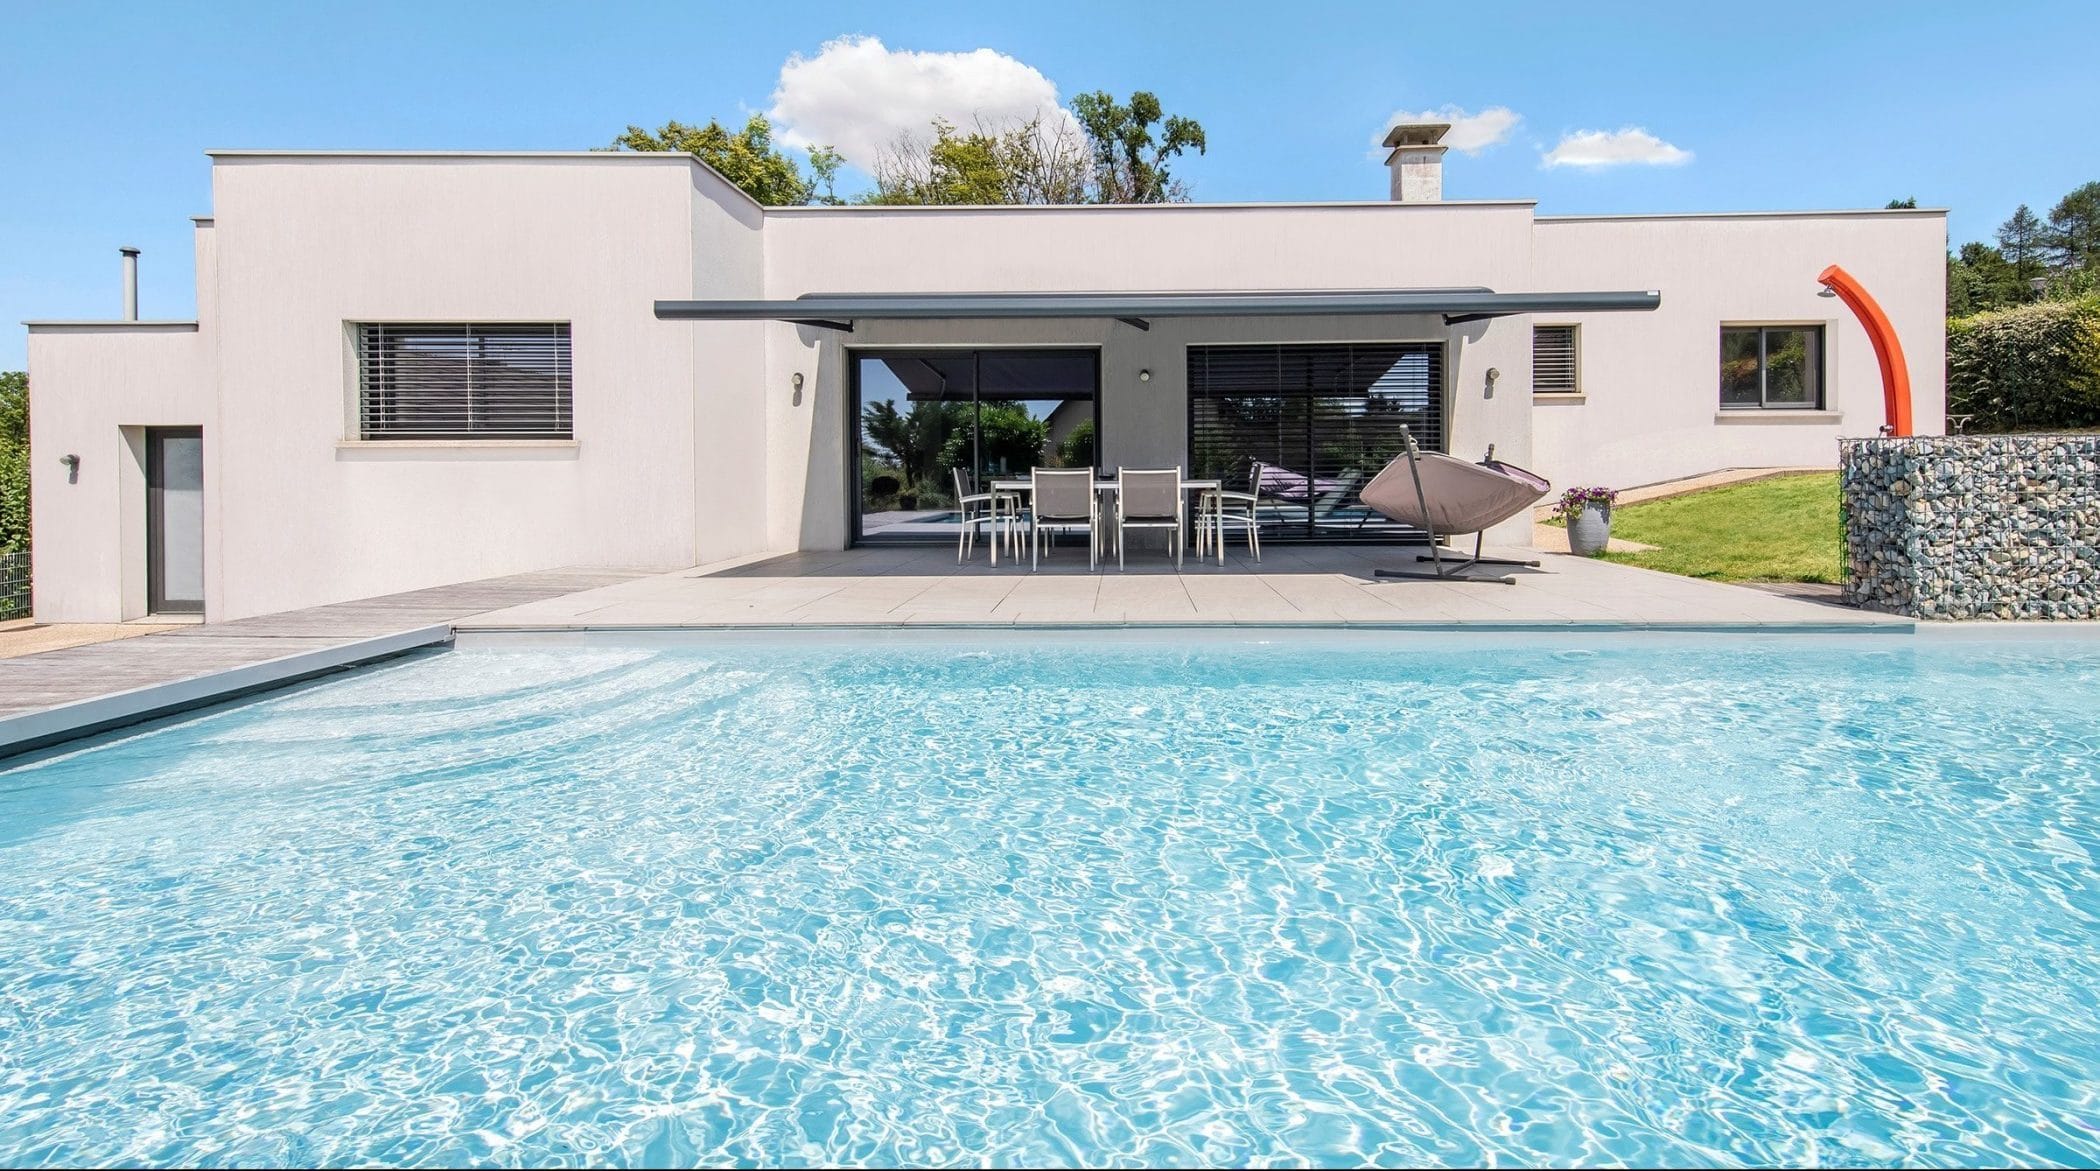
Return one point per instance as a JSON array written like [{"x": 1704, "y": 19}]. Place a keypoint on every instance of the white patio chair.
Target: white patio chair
[
  {"x": 1218, "y": 509},
  {"x": 1150, "y": 500},
  {"x": 1064, "y": 500},
  {"x": 980, "y": 508}
]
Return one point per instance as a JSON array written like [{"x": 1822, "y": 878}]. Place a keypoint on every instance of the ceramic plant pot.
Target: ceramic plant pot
[{"x": 1590, "y": 530}]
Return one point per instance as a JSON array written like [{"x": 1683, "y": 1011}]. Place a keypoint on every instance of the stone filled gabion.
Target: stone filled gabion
[{"x": 1974, "y": 527}]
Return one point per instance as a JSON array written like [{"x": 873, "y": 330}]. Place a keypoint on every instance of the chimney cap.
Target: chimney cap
[
  {"x": 128, "y": 250},
  {"x": 1416, "y": 133}
]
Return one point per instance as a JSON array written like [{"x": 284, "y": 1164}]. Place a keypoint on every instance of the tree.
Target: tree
[
  {"x": 1031, "y": 162},
  {"x": 1908, "y": 201},
  {"x": 910, "y": 439},
  {"x": 1130, "y": 164},
  {"x": 1009, "y": 440},
  {"x": 1989, "y": 279},
  {"x": 746, "y": 158},
  {"x": 2020, "y": 244},
  {"x": 14, "y": 461},
  {"x": 2071, "y": 241}
]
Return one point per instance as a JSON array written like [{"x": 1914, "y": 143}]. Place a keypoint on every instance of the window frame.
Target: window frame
[
  {"x": 475, "y": 336},
  {"x": 1574, "y": 330},
  {"x": 1764, "y": 330}
]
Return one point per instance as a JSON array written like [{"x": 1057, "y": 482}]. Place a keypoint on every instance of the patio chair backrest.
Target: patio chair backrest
[
  {"x": 1153, "y": 495},
  {"x": 1254, "y": 469},
  {"x": 1063, "y": 494},
  {"x": 963, "y": 485}
]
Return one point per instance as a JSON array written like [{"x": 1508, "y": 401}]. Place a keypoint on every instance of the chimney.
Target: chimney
[
  {"x": 131, "y": 283},
  {"x": 1417, "y": 161}
]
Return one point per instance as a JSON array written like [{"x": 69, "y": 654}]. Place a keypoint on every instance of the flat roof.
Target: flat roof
[{"x": 839, "y": 310}]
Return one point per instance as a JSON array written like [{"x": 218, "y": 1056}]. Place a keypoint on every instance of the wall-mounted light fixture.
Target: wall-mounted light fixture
[
  {"x": 72, "y": 463},
  {"x": 1144, "y": 376},
  {"x": 1493, "y": 376},
  {"x": 798, "y": 388}
]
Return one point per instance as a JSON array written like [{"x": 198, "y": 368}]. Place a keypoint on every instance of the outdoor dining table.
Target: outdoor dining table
[{"x": 1024, "y": 485}]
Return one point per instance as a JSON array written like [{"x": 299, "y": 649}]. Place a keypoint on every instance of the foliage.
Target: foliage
[
  {"x": 2020, "y": 249},
  {"x": 14, "y": 461},
  {"x": 1130, "y": 163},
  {"x": 1032, "y": 162},
  {"x": 1782, "y": 529},
  {"x": 746, "y": 158},
  {"x": 2072, "y": 239},
  {"x": 1009, "y": 440},
  {"x": 912, "y": 439},
  {"x": 2033, "y": 367},
  {"x": 884, "y": 485},
  {"x": 1574, "y": 500},
  {"x": 1908, "y": 201},
  {"x": 1077, "y": 448}
]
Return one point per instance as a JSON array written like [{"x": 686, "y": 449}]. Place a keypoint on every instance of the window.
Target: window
[
  {"x": 1319, "y": 421},
  {"x": 463, "y": 381},
  {"x": 1553, "y": 360},
  {"x": 1777, "y": 367}
]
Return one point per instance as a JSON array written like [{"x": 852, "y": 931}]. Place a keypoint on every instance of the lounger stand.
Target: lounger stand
[{"x": 1444, "y": 495}]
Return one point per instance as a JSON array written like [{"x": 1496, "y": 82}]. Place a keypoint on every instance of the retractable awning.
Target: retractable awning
[{"x": 841, "y": 310}]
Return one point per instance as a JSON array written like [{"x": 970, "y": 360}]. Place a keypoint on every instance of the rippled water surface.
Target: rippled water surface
[{"x": 1041, "y": 902}]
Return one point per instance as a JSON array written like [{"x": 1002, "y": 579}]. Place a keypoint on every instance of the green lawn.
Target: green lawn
[{"x": 1783, "y": 529}]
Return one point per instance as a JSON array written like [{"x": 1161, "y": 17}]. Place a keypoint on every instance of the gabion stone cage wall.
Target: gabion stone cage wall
[{"x": 1990, "y": 527}]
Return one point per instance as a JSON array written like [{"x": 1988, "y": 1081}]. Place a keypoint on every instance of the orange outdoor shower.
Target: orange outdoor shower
[{"x": 1895, "y": 373}]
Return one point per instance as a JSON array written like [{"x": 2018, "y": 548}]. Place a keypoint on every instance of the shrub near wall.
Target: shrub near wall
[
  {"x": 2031, "y": 368},
  {"x": 1973, "y": 526}
]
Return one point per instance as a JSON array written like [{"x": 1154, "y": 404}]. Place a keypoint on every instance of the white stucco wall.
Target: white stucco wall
[
  {"x": 1651, "y": 381},
  {"x": 1190, "y": 247},
  {"x": 95, "y": 388},
  {"x": 308, "y": 245}
]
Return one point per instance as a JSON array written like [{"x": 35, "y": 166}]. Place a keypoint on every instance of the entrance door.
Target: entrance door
[
  {"x": 922, "y": 415},
  {"x": 174, "y": 520}
]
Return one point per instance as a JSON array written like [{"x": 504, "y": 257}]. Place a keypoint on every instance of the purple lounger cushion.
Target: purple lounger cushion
[{"x": 1464, "y": 497}]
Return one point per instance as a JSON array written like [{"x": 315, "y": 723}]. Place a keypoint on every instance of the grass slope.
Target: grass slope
[{"x": 1783, "y": 529}]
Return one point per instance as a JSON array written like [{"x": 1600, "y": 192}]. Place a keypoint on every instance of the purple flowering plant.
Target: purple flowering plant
[{"x": 1574, "y": 500}]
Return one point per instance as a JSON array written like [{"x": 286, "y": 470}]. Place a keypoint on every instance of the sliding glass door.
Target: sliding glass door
[
  {"x": 922, "y": 415},
  {"x": 1309, "y": 425}
]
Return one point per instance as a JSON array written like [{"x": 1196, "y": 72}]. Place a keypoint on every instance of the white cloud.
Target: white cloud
[
  {"x": 1469, "y": 134},
  {"x": 1592, "y": 149},
  {"x": 857, "y": 95}
]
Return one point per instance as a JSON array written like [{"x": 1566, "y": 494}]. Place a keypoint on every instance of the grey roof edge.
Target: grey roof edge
[
  {"x": 1804, "y": 213},
  {"x": 1142, "y": 208},
  {"x": 119, "y": 323},
  {"x": 1301, "y": 303},
  {"x": 655, "y": 156}
]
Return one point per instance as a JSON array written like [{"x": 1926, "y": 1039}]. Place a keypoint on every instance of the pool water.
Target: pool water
[{"x": 1055, "y": 901}]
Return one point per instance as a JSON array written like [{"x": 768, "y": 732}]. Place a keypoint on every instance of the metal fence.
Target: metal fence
[{"x": 14, "y": 585}]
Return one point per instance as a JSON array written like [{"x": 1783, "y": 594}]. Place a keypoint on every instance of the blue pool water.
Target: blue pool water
[{"x": 1069, "y": 902}]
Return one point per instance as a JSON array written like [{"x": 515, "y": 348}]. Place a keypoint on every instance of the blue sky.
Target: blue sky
[{"x": 105, "y": 110}]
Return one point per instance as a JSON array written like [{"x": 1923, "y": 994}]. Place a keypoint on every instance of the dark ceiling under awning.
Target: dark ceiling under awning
[{"x": 841, "y": 310}]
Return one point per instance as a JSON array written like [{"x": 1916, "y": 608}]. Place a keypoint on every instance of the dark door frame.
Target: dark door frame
[
  {"x": 156, "y": 550},
  {"x": 855, "y": 444}
]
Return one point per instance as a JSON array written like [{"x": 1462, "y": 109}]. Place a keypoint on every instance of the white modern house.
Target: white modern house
[{"x": 411, "y": 368}]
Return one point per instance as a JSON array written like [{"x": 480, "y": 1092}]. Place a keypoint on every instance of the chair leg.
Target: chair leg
[{"x": 1120, "y": 537}]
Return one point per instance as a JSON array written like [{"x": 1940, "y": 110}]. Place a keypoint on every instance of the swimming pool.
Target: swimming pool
[{"x": 1049, "y": 900}]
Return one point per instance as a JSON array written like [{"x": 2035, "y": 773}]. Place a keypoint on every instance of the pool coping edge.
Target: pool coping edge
[{"x": 29, "y": 731}]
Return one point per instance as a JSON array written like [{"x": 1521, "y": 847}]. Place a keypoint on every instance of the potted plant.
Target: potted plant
[{"x": 1587, "y": 512}]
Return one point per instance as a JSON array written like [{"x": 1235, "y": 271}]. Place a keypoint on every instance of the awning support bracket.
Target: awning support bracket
[
  {"x": 1136, "y": 323},
  {"x": 821, "y": 323}
]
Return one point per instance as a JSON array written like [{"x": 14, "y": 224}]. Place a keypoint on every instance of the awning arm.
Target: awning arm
[
  {"x": 1136, "y": 323},
  {"x": 821, "y": 323}
]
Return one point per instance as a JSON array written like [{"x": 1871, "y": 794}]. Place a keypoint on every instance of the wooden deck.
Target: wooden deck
[{"x": 39, "y": 681}]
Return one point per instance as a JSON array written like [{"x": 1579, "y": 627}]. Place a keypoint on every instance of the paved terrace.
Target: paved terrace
[{"x": 1293, "y": 585}]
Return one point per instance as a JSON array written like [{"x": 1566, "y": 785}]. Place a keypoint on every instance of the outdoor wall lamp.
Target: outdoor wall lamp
[
  {"x": 1493, "y": 376},
  {"x": 72, "y": 463},
  {"x": 1144, "y": 376},
  {"x": 798, "y": 388}
]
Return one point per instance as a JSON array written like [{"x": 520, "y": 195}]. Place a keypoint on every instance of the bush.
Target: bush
[
  {"x": 1077, "y": 450},
  {"x": 2027, "y": 369},
  {"x": 14, "y": 461},
  {"x": 883, "y": 486}
]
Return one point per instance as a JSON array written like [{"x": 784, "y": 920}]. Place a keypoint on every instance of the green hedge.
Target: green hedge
[{"x": 2035, "y": 368}]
